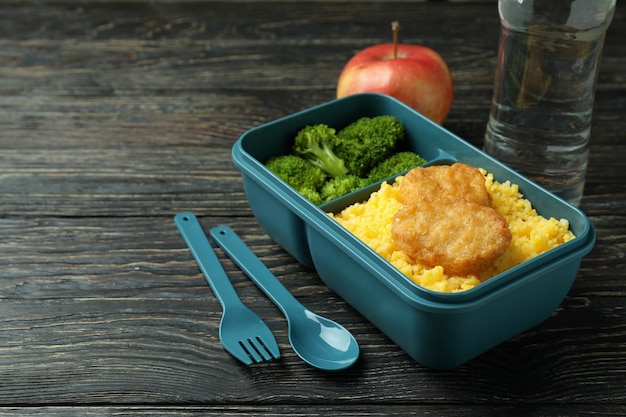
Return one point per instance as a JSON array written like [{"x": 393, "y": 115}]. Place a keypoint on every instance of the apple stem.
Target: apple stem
[{"x": 395, "y": 26}]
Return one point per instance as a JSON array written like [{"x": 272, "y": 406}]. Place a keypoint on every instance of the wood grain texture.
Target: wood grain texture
[{"x": 115, "y": 116}]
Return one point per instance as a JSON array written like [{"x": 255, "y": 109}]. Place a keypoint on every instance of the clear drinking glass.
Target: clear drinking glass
[{"x": 544, "y": 89}]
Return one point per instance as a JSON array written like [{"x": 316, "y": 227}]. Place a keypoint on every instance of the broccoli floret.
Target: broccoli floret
[
  {"x": 367, "y": 142},
  {"x": 395, "y": 164},
  {"x": 315, "y": 144},
  {"x": 296, "y": 172},
  {"x": 312, "y": 195},
  {"x": 338, "y": 186}
]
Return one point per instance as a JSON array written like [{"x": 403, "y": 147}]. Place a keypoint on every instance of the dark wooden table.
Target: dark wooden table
[{"x": 116, "y": 116}]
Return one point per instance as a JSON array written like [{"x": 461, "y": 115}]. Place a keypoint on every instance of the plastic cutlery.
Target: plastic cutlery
[{"x": 320, "y": 342}]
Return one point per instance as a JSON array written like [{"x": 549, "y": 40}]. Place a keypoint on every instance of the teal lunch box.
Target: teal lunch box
[{"x": 438, "y": 330}]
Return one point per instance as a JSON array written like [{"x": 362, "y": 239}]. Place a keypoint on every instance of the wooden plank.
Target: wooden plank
[{"x": 281, "y": 410}]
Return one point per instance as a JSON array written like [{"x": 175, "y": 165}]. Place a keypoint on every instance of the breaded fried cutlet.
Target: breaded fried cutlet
[
  {"x": 458, "y": 181},
  {"x": 463, "y": 237}
]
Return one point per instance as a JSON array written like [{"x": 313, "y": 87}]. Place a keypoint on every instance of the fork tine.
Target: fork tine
[
  {"x": 238, "y": 351},
  {"x": 271, "y": 347},
  {"x": 260, "y": 347},
  {"x": 251, "y": 350}
]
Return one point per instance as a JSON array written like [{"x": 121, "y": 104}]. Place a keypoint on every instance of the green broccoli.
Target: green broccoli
[
  {"x": 312, "y": 195},
  {"x": 296, "y": 172},
  {"x": 315, "y": 144},
  {"x": 338, "y": 186},
  {"x": 367, "y": 142},
  {"x": 395, "y": 164}
]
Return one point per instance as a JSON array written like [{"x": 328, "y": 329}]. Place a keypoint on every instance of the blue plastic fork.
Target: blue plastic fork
[{"x": 242, "y": 333}]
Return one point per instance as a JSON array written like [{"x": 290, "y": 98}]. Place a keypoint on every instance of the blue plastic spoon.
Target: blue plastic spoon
[{"x": 320, "y": 342}]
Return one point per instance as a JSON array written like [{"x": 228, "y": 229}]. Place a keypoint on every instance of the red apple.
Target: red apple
[{"x": 416, "y": 75}]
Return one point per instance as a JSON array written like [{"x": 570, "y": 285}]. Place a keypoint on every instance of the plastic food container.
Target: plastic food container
[{"x": 438, "y": 330}]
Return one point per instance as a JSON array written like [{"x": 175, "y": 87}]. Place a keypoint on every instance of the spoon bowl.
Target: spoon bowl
[{"x": 319, "y": 341}]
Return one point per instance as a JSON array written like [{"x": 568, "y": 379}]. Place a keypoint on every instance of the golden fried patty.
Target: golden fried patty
[
  {"x": 463, "y": 237},
  {"x": 458, "y": 181}
]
